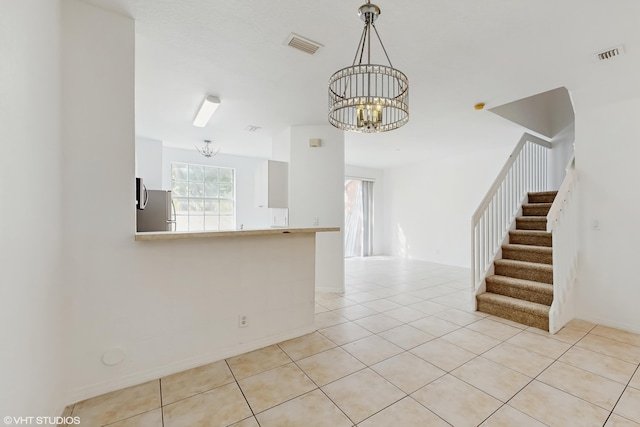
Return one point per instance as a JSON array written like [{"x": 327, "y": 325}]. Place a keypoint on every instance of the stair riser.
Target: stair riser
[
  {"x": 543, "y": 240},
  {"x": 526, "y": 273},
  {"x": 518, "y": 316},
  {"x": 533, "y": 210},
  {"x": 531, "y": 225},
  {"x": 529, "y": 256},
  {"x": 541, "y": 198},
  {"x": 519, "y": 293}
]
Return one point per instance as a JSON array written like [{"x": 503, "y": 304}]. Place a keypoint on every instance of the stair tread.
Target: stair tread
[
  {"x": 530, "y": 232},
  {"x": 524, "y": 264},
  {"x": 514, "y": 303},
  {"x": 532, "y": 218},
  {"x": 536, "y": 205},
  {"x": 529, "y": 248},
  {"x": 531, "y": 222},
  {"x": 528, "y": 284},
  {"x": 543, "y": 193}
]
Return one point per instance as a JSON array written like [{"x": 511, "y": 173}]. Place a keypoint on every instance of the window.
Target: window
[{"x": 204, "y": 197}]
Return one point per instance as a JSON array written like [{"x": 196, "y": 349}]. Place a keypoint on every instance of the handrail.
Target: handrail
[
  {"x": 563, "y": 223},
  {"x": 505, "y": 169},
  {"x": 524, "y": 171}
]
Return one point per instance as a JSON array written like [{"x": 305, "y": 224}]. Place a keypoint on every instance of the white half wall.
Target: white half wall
[
  {"x": 377, "y": 176},
  {"x": 169, "y": 305},
  {"x": 32, "y": 322},
  {"x": 428, "y": 205},
  {"x": 607, "y": 153},
  {"x": 248, "y": 214}
]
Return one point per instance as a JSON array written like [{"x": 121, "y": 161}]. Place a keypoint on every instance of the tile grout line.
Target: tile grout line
[
  {"x": 241, "y": 391},
  {"x": 367, "y": 366},
  {"x": 161, "y": 402},
  {"x": 557, "y": 359},
  {"x": 408, "y": 395},
  {"x": 623, "y": 391},
  {"x": 506, "y": 367},
  {"x": 476, "y": 356}
]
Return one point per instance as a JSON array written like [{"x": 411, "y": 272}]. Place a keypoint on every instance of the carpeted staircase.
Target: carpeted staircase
[{"x": 522, "y": 287}]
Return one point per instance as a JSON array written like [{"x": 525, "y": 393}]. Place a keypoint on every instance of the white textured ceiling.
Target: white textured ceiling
[{"x": 455, "y": 53}]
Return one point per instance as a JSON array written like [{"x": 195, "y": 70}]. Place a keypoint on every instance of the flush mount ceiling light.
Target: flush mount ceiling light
[
  {"x": 208, "y": 107},
  {"x": 367, "y": 97},
  {"x": 207, "y": 151}
]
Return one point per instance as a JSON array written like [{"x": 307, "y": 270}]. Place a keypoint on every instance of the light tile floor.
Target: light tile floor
[{"x": 399, "y": 348}]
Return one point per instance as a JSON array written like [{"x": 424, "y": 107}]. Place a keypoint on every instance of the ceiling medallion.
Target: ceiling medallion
[{"x": 367, "y": 97}]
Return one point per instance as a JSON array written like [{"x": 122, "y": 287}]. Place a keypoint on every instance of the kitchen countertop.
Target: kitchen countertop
[{"x": 176, "y": 235}]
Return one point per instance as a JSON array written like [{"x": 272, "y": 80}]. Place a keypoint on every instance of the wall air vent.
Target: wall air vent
[
  {"x": 610, "y": 53},
  {"x": 298, "y": 42}
]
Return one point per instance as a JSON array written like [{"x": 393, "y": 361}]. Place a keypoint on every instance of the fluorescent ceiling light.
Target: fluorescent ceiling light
[{"x": 207, "y": 109}]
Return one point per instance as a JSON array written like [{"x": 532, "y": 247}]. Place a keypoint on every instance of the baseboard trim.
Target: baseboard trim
[
  {"x": 130, "y": 380},
  {"x": 330, "y": 290},
  {"x": 611, "y": 324}
]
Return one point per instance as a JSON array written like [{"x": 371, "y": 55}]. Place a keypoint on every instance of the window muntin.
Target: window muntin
[{"x": 204, "y": 197}]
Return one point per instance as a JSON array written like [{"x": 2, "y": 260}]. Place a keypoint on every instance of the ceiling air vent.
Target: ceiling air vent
[
  {"x": 303, "y": 44},
  {"x": 610, "y": 53}
]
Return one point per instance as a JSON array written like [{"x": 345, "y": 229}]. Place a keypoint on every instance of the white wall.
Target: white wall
[
  {"x": 607, "y": 153},
  {"x": 564, "y": 134},
  {"x": 149, "y": 162},
  {"x": 170, "y": 305},
  {"x": 316, "y": 190},
  {"x": 32, "y": 326},
  {"x": 248, "y": 213},
  {"x": 428, "y": 205},
  {"x": 377, "y": 176},
  {"x": 561, "y": 151}
]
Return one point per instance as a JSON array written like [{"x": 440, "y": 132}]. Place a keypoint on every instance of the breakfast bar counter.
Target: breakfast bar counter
[{"x": 179, "y": 235}]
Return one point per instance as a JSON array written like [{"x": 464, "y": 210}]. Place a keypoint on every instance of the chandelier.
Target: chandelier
[
  {"x": 367, "y": 97},
  {"x": 207, "y": 151}
]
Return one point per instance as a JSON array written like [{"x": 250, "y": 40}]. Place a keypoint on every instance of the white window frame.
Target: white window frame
[{"x": 193, "y": 210}]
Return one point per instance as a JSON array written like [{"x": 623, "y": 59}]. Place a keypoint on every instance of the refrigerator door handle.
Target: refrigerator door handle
[
  {"x": 146, "y": 197},
  {"x": 173, "y": 219}
]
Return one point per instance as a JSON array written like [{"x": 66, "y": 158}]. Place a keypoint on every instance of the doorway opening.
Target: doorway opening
[{"x": 358, "y": 217}]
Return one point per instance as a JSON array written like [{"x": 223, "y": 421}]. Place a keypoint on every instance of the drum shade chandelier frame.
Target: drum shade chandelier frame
[{"x": 365, "y": 97}]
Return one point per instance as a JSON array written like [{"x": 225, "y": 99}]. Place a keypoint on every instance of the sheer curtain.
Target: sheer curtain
[{"x": 358, "y": 217}]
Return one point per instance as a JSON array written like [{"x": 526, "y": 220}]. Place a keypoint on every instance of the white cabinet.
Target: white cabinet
[{"x": 272, "y": 184}]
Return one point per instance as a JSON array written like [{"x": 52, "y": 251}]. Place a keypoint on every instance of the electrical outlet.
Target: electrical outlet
[
  {"x": 316, "y": 221},
  {"x": 243, "y": 321}
]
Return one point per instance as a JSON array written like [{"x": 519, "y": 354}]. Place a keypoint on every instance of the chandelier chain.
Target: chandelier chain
[
  {"x": 382, "y": 44},
  {"x": 366, "y": 33}
]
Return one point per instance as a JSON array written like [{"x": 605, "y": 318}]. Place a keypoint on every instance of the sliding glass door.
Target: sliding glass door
[{"x": 358, "y": 217}]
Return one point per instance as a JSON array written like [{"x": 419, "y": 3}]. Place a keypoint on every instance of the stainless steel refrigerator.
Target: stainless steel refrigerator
[{"x": 159, "y": 214}]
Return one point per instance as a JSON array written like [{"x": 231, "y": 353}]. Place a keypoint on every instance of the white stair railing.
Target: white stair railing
[
  {"x": 563, "y": 223},
  {"x": 524, "y": 171}
]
